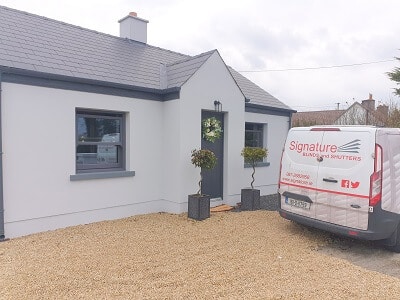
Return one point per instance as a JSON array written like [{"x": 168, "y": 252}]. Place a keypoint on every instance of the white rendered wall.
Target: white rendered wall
[
  {"x": 211, "y": 82},
  {"x": 39, "y": 157},
  {"x": 266, "y": 177},
  {"x": 171, "y": 157},
  {"x": 39, "y": 152}
]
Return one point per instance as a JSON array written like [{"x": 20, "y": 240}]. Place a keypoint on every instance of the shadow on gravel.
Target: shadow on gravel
[
  {"x": 267, "y": 202},
  {"x": 365, "y": 254}
]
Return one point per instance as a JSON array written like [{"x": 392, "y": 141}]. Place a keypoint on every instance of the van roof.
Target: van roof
[
  {"x": 338, "y": 128},
  {"x": 349, "y": 128}
]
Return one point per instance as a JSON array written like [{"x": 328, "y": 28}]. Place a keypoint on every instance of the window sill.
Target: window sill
[
  {"x": 259, "y": 164},
  {"x": 101, "y": 175}
]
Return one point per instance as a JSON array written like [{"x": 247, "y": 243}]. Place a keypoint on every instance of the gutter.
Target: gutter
[
  {"x": 290, "y": 121},
  {"x": 14, "y": 75},
  {"x": 2, "y": 235},
  {"x": 261, "y": 109},
  {"x": 248, "y": 104}
]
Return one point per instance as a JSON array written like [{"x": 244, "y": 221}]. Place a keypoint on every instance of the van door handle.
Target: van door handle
[{"x": 330, "y": 180}]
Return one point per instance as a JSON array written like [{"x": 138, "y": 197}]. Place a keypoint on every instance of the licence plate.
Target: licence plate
[{"x": 297, "y": 203}]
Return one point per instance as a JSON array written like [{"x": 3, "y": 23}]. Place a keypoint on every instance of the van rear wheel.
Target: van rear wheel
[{"x": 396, "y": 237}]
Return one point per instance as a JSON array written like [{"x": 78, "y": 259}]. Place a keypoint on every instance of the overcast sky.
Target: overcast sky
[{"x": 265, "y": 40}]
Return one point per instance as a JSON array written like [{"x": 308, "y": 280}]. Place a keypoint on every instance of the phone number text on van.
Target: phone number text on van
[{"x": 297, "y": 178}]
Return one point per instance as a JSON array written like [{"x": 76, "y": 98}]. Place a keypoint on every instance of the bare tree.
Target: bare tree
[{"x": 393, "y": 119}]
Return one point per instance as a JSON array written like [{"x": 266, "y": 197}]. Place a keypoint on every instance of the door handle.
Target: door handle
[{"x": 330, "y": 180}]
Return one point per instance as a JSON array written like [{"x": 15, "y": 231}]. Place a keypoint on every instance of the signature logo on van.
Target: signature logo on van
[
  {"x": 351, "y": 147},
  {"x": 348, "y": 184}
]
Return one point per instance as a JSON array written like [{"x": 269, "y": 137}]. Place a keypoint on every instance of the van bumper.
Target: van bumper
[{"x": 381, "y": 225}]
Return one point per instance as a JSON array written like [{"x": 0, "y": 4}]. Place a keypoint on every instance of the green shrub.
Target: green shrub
[
  {"x": 252, "y": 155},
  {"x": 204, "y": 159}
]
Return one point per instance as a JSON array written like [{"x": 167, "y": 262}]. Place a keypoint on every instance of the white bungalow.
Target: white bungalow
[{"x": 97, "y": 127}]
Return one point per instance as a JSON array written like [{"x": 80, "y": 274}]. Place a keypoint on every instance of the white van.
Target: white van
[{"x": 343, "y": 179}]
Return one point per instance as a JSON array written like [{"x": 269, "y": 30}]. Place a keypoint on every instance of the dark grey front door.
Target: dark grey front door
[{"x": 213, "y": 179}]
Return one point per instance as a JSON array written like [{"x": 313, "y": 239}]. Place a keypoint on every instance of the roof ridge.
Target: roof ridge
[
  {"x": 323, "y": 111},
  {"x": 189, "y": 57}
]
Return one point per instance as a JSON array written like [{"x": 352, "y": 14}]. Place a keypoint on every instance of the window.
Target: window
[
  {"x": 100, "y": 141},
  {"x": 254, "y": 135}
]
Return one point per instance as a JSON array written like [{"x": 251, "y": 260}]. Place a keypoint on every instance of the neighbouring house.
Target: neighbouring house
[
  {"x": 310, "y": 118},
  {"x": 357, "y": 114},
  {"x": 97, "y": 127}
]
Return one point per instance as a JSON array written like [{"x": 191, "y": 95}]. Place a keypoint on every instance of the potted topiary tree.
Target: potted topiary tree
[
  {"x": 250, "y": 197},
  {"x": 199, "y": 204}
]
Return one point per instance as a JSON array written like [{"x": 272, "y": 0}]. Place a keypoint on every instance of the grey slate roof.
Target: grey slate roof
[
  {"x": 38, "y": 44},
  {"x": 255, "y": 94},
  {"x": 179, "y": 72}
]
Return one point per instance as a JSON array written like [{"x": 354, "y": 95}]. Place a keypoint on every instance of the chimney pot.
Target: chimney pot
[
  {"x": 133, "y": 14},
  {"x": 370, "y": 96}
]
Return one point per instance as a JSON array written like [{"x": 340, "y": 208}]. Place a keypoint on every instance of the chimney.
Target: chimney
[
  {"x": 133, "y": 28},
  {"x": 369, "y": 104},
  {"x": 383, "y": 110}
]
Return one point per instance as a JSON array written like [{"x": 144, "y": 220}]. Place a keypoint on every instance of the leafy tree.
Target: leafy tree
[{"x": 395, "y": 76}]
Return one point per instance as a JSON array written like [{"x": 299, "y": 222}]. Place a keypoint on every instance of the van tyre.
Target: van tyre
[{"x": 396, "y": 245}]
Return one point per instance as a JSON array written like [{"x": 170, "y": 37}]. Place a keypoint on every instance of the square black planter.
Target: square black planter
[
  {"x": 199, "y": 207},
  {"x": 250, "y": 199}
]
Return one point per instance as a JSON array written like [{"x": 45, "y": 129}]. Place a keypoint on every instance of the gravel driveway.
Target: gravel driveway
[{"x": 232, "y": 255}]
